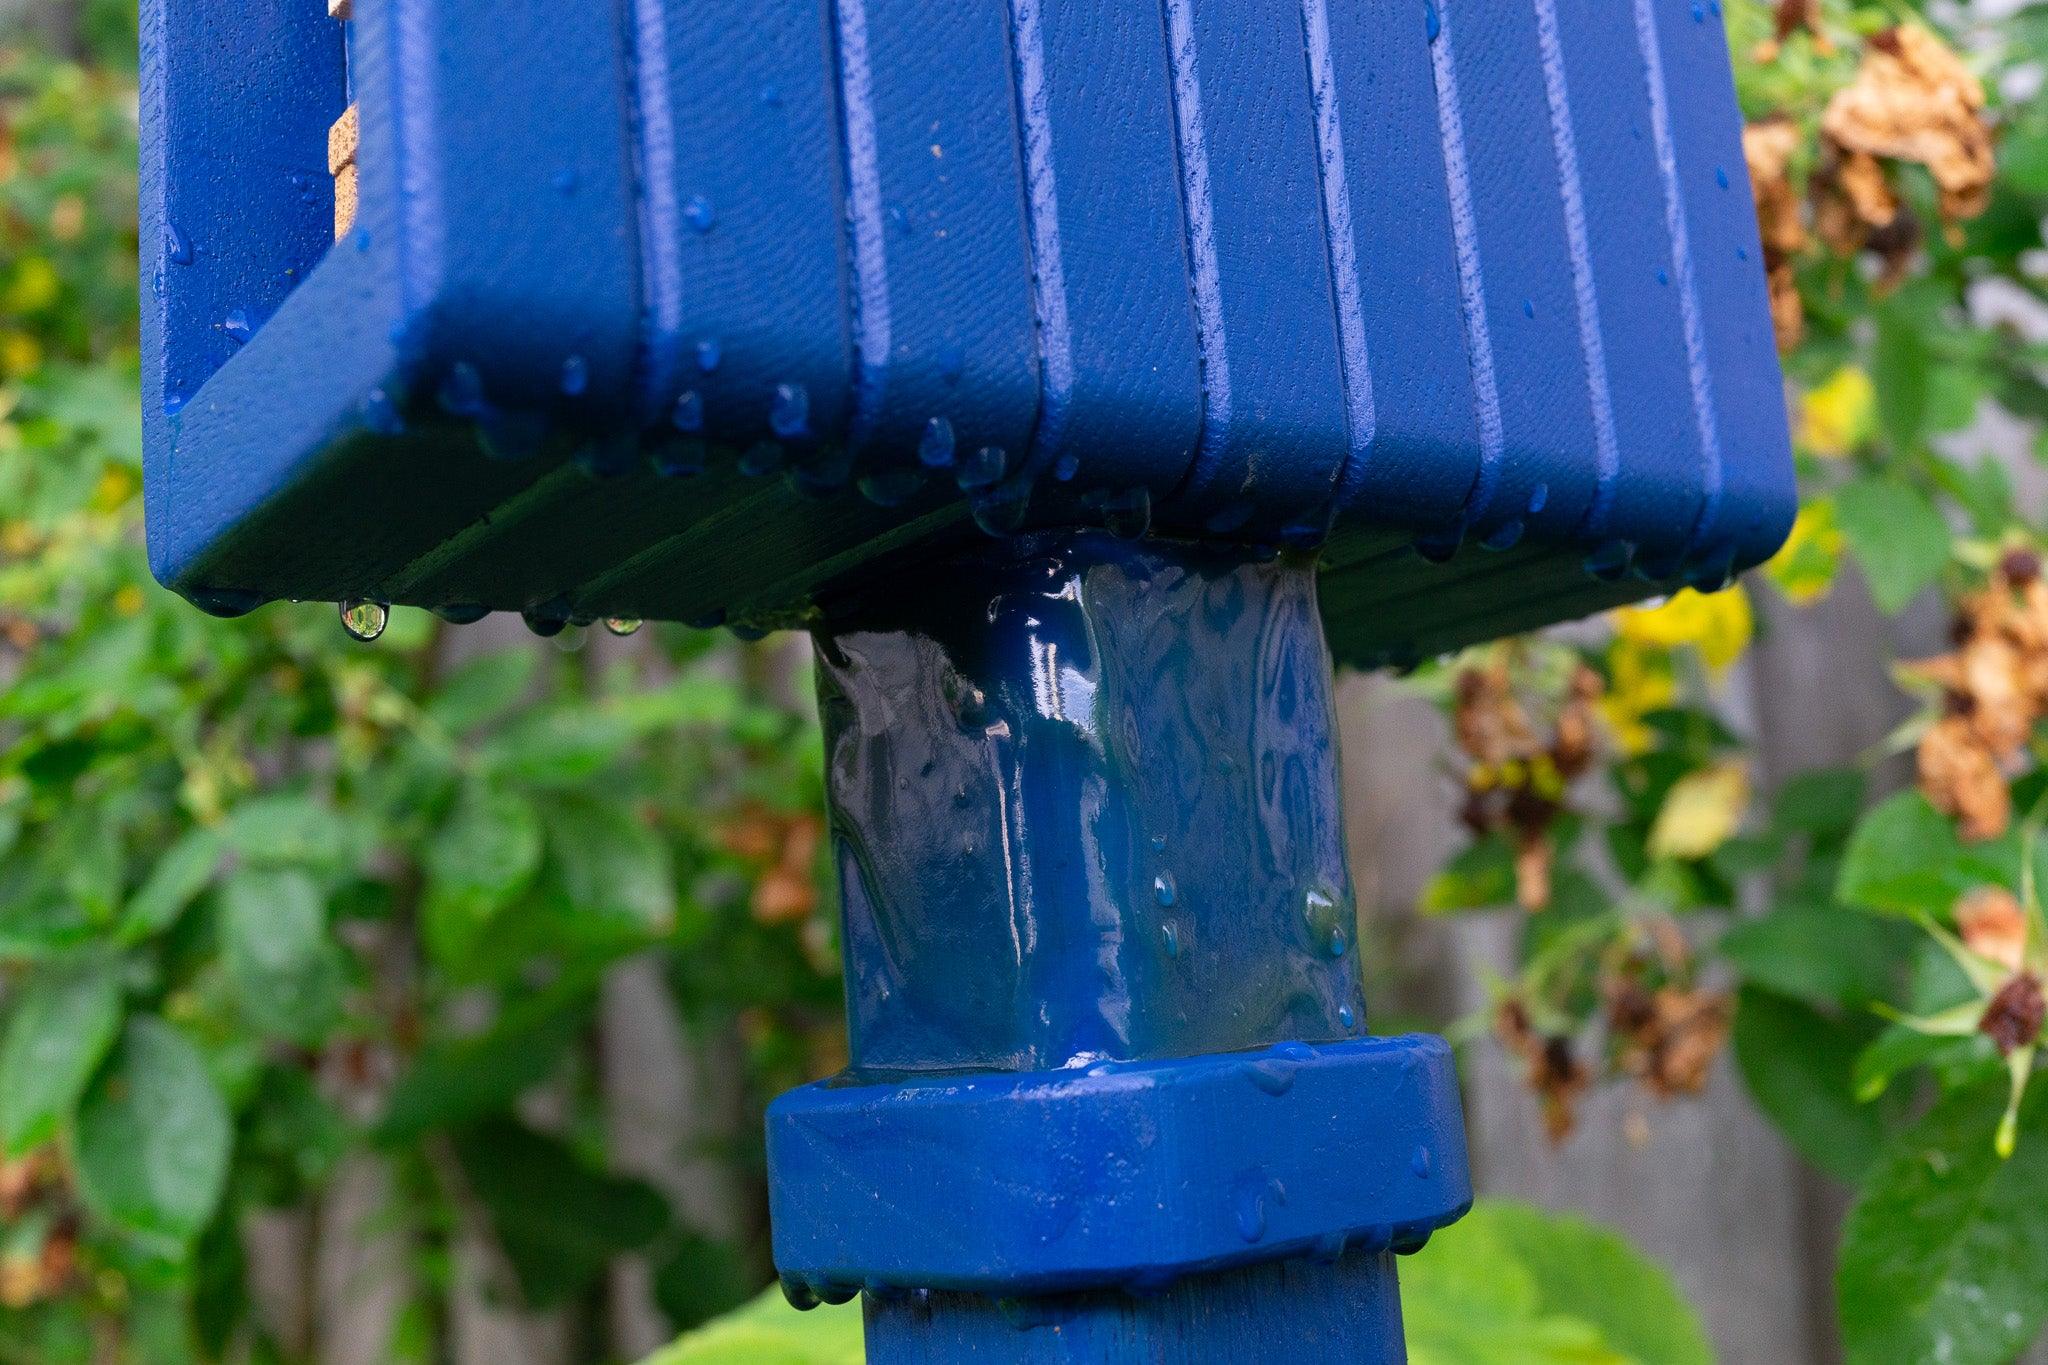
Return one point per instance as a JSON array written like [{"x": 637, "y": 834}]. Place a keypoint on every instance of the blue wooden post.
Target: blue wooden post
[
  {"x": 873, "y": 317},
  {"x": 1111, "y": 1093}
]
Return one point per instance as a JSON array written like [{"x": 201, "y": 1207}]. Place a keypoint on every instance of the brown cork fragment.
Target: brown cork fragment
[{"x": 342, "y": 141}]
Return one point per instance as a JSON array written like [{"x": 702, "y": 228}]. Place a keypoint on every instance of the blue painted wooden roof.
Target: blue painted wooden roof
[{"x": 696, "y": 310}]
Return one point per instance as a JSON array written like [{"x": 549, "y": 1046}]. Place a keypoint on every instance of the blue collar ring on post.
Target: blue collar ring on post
[{"x": 1109, "y": 1060}]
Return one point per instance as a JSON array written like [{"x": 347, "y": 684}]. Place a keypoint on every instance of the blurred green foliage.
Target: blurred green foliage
[{"x": 272, "y": 900}]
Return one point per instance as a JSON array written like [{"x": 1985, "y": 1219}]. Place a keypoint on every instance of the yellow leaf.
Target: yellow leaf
[
  {"x": 1701, "y": 812},
  {"x": 1640, "y": 680},
  {"x": 34, "y": 287},
  {"x": 1717, "y": 624},
  {"x": 1839, "y": 415},
  {"x": 1804, "y": 569}
]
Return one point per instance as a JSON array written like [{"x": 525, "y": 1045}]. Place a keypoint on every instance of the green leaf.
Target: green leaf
[
  {"x": 1899, "y": 538},
  {"x": 477, "y": 864},
  {"x": 559, "y": 1221},
  {"x": 458, "y": 1081},
  {"x": 1820, "y": 802},
  {"x": 183, "y": 871},
  {"x": 483, "y": 689},
  {"x": 1821, "y": 954},
  {"x": 288, "y": 974},
  {"x": 1899, "y": 1049},
  {"x": 297, "y": 830},
  {"x": 1899, "y": 366},
  {"x": 1904, "y": 858},
  {"x": 153, "y": 1138},
  {"x": 1510, "y": 1283},
  {"x": 559, "y": 747},
  {"x": 1798, "y": 1064},
  {"x": 770, "y": 1332},
  {"x": 610, "y": 866},
  {"x": 1945, "y": 1254},
  {"x": 1481, "y": 877},
  {"x": 64, "y": 1024}
]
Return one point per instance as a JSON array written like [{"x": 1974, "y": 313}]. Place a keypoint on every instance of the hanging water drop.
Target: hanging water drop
[
  {"x": 709, "y": 353},
  {"x": 1345, "y": 1016},
  {"x": 364, "y": 620},
  {"x": 982, "y": 468},
  {"x": 177, "y": 245},
  {"x": 789, "y": 414},
  {"x": 699, "y": 214},
  {"x": 935, "y": 446},
  {"x": 575, "y": 376},
  {"x": 1163, "y": 889},
  {"x": 688, "y": 413},
  {"x": 1128, "y": 515},
  {"x": 622, "y": 626}
]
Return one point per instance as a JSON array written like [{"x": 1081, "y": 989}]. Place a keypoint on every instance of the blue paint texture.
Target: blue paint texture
[
  {"x": 1452, "y": 291},
  {"x": 1102, "y": 985},
  {"x": 1381, "y": 325}
]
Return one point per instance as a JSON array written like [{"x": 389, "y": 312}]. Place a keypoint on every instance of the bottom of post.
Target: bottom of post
[{"x": 1346, "y": 1310}]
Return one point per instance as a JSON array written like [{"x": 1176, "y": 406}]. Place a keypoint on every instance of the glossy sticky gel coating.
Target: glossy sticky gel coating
[
  {"x": 1083, "y": 809},
  {"x": 1100, "y": 975},
  {"x": 704, "y": 311}
]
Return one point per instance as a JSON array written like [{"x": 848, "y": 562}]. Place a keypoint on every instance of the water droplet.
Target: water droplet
[
  {"x": 1528, "y": 308},
  {"x": 1230, "y": 518},
  {"x": 761, "y": 459},
  {"x": 1663, "y": 276},
  {"x": 1432, "y": 23},
  {"x": 174, "y": 403},
  {"x": 225, "y": 602},
  {"x": 1169, "y": 934},
  {"x": 177, "y": 245},
  {"x": 688, "y": 413},
  {"x": 935, "y": 446},
  {"x": 622, "y": 625},
  {"x": 1721, "y": 176},
  {"x": 462, "y": 390},
  {"x": 1699, "y": 13},
  {"x": 1272, "y": 1076},
  {"x": 1419, "y": 1163},
  {"x": 1317, "y": 905},
  {"x": 565, "y": 180},
  {"x": 1128, "y": 515},
  {"x": 1250, "y": 1206},
  {"x": 1742, "y": 253},
  {"x": 1504, "y": 536},
  {"x": 1439, "y": 546},
  {"x": 982, "y": 468},
  {"x": 236, "y": 325},
  {"x": 709, "y": 353},
  {"x": 1066, "y": 467},
  {"x": 1346, "y": 1017},
  {"x": 1339, "y": 941},
  {"x": 1159, "y": 843},
  {"x": 364, "y": 620},
  {"x": 1538, "y": 497},
  {"x": 1609, "y": 560},
  {"x": 545, "y": 621},
  {"x": 789, "y": 413},
  {"x": 1163, "y": 889},
  {"x": 771, "y": 95},
  {"x": 381, "y": 415},
  {"x": 575, "y": 375},
  {"x": 462, "y": 613},
  {"x": 699, "y": 214},
  {"x": 1002, "y": 511},
  {"x": 800, "y": 1295},
  {"x": 890, "y": 487}
]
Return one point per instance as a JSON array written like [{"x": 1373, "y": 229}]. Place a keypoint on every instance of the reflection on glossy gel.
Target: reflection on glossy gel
[{"x": 1082, "y": 790}]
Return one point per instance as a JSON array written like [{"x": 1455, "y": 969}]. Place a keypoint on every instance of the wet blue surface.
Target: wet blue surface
[{"x": 1084, "y": 808}]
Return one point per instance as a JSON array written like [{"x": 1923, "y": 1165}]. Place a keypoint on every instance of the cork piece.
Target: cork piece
[{"x": 342, "y": 140}]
